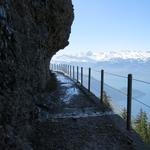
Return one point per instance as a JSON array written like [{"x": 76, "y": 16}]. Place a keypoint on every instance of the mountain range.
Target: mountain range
[{"x": 112, "y": 56}]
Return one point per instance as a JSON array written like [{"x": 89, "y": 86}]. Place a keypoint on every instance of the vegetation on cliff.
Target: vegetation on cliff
[{"x": 140, "y": 124}]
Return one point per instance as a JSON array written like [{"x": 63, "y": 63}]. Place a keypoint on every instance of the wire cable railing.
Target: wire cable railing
[
  {"x": 88, "y": 75},
  {"x": 139, "y": 101},
  {"x": 121, "y": 92},
  {"x": 141, "y": 81},
  {"x": 117, "y": 75}
]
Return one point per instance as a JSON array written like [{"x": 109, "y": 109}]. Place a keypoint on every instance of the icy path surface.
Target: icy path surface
[
  {"x": 76, "y": 104},
  {"x": 70, "y": 89}
]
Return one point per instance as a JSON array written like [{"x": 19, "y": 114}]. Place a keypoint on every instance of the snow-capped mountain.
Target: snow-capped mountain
[
  {"x": 112, "y": 56},
  {"x": 121, "y": 55}
]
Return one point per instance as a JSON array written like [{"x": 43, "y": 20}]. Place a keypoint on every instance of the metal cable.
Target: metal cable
[
  {"x": 116, "y": 89},
  {"x": 135, "y": 99},
  {"x": 117, "y": 75},
  {"x": 142, "y": 81}
]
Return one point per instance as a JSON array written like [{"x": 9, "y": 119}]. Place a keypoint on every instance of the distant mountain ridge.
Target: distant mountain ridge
[{"x": 112, "y": 56}]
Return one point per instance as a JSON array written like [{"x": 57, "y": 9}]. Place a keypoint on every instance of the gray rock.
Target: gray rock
[{"x": 31, "y": 32}]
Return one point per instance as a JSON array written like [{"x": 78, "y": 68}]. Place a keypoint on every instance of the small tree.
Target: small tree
[
  {"x": 106, "y": 100},
  {"x": 141, "y": 126},
  {"x": 149, "y": 132}
]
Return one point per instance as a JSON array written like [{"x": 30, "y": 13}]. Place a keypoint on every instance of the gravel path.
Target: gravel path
[{"x": 79, "y": 125}]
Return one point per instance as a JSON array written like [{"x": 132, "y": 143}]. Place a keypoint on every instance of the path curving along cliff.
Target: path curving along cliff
[{"x": 31, "y": 32}]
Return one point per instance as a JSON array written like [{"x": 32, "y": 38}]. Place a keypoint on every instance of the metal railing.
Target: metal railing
[{"x": 76, "y": 72}]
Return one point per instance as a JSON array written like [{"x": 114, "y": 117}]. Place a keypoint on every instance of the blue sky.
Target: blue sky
[{"x": 110, "y": 25}]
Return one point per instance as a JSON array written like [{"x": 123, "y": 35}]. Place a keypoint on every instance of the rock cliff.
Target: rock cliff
[{"x": 31, "y": 32}]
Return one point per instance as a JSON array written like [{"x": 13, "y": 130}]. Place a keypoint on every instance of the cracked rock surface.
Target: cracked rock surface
[{"x": 31, "y": 32}]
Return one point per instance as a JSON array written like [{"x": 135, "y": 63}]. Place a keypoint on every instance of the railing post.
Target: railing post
[
  {"x": 70, "y": 71},
  {"x": 56, "y": 67},
  {"x": 65, "y": 69},
  {"x": 62, "y": 67},
  {"x": 73, "y": 72},
  {"x": 129, "y": 101},
  {"x": 89, "y": 80},
  {"x": 81, "y": 76},
  {"x": 51, "y": 66},
  {"x": 102, "y": 86},
  {"x": 59, "y": 67},
  {"x": 77, "y": 74}
]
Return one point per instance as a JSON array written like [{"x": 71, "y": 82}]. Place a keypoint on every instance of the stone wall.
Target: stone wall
[{"x": 31, "y": 32}]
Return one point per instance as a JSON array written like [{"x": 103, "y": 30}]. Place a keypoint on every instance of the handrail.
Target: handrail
[
  {"x": 117, "y": 75},
  {"x": 115, "y": 89},
  {"x": 67, "y": 69},
  {"x": 135, "y": 99},
  {"x": 141, "y": 81}
]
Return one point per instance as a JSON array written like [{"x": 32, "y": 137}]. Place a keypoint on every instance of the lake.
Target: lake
[{"x": 116, "y": 87}]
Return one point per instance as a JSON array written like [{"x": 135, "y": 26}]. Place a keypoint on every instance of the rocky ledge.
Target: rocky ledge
[{"x": 31, "y": 32}]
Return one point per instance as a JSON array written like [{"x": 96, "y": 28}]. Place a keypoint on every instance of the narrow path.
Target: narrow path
[
  {"x": 75, "y": 103},
  {"x": 78, "y": 124}
]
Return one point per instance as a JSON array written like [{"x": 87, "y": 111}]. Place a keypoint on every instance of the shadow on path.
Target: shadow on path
[{"x": 78, "y": 125}]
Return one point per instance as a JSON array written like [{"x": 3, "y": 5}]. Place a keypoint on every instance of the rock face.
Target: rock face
[{"x": 31, "y": 32}]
